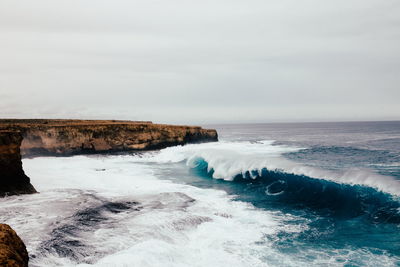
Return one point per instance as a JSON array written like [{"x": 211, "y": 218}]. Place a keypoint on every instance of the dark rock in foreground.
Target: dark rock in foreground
[
  {"x": 12, "y": 177},
  {"x": 12, "y": 250}
]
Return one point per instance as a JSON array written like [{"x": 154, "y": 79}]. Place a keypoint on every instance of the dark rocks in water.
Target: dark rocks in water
[
  {"x": 13, "y": 252},
  {"x": 67, "y": 240},
  {"x": 13, "y": 180}
]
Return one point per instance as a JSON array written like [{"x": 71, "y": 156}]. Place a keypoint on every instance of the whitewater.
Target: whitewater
[{"x": 265, "y": 195}]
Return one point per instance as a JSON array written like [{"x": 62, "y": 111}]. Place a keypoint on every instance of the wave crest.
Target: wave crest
[
  {"x": 337, "y": 199},
  {"x": 227, "y": 160}
]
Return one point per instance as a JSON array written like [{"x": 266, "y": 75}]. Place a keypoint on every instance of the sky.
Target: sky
[{"x": 209, "y": 61}]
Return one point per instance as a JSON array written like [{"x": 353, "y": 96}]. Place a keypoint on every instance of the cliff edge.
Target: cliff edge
[
  {"x": 31, "y": 138},
  {"x": 12, "y": 177},
  {"x": 71, "y": 137}
]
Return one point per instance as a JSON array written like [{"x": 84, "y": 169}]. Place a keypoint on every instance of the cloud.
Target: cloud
[{"x": 185, "y": 61}]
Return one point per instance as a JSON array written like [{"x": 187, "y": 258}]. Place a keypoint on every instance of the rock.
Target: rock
[
  {"x": 71, "y": 137},
  {"x": 13, "y": 252},
  {"x": 12, "y": 177}
]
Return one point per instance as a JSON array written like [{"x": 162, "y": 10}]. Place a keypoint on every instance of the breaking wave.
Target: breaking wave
[
  {"x": 116, "y": 211},
  {"x": 228, "y": 160},
  {"x": 338, "y": 199},
  {"x": 262, "y": 169}
]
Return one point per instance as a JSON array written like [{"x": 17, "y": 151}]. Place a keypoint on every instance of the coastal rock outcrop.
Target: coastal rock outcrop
[
  {"x": 13, "y": 252},
  {"x": 71, "y": 137},
  {"x": 31, "y": 138},
  {"x": 12, "y": 177}
]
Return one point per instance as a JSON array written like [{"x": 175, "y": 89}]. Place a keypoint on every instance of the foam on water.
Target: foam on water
[
  {"x": 226, "y": 160},
  {"x": 109, "y": 212},
  {"x": 114, "y": 211}
]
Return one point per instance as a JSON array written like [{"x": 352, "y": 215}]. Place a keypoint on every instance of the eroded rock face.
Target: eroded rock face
[
  {"x": 80, "y": 139},
  {"x": 12, "y": 177},
  {"x": 13, "y": 252},
  {"x": 70, "y": 137}
]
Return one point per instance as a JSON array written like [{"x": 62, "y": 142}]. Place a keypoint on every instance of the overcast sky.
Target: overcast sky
[{"x": 182, "y": 61}]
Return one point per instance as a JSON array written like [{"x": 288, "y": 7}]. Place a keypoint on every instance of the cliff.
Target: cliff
[
  {"x": 70, "y": 137},
  {"x": 12, "y": 250},
  {"x": 12, "y": 177}
]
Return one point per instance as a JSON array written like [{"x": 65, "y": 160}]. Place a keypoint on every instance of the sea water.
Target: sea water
[{"x": 303, "y": 194}]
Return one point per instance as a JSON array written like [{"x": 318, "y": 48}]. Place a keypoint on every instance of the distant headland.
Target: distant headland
[{"x": 45, "y": 137}]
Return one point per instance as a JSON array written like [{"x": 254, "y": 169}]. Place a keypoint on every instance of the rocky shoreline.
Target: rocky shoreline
[
  {"x": 30, "y": 138},
  {"x": 13, "y": 180},
  {"x": 13, "y": 252}
]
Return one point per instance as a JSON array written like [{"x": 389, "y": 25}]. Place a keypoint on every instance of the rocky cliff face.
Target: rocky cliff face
[
  {"x": 81, "y": 138},
  {"x": 12, "y": 250},
  {"x": 71, "y": 137},
  {"x": 12, "y": 177}
]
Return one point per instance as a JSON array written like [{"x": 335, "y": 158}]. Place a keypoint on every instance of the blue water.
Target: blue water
[
  {"x": 342, "y": 216},
  {"x": 304, "y": 194}
]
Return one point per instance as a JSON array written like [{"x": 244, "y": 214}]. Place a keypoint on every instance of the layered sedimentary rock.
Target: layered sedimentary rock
[
  {"x": 69, "y": 137},
  {"x": 12, "y": 250},
  {"x": 12, "y": 177}
]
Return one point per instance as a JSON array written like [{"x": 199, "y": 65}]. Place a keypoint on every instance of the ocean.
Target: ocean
[{"x": 290, "y": 194}]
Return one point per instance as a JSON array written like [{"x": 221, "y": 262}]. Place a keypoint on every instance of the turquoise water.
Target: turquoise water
[
  {"x": 342, "y": 216},
  {"x": 319, "y": 194}
]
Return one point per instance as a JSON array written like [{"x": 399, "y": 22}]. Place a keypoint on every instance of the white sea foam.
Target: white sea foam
[
  {"x": 168, "y": 225},
  {"x": 175, "y": 224},
  {"x": 228, "y": 159}
]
